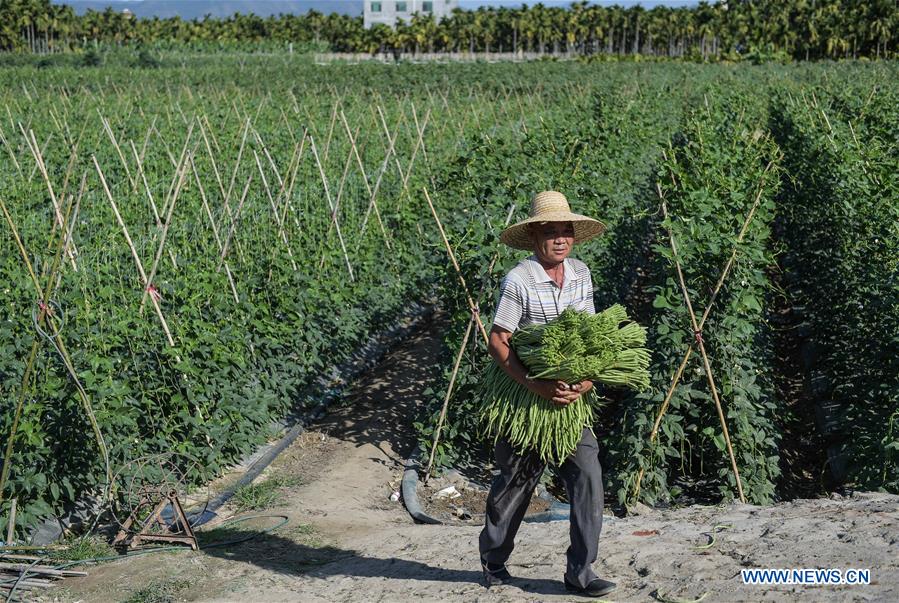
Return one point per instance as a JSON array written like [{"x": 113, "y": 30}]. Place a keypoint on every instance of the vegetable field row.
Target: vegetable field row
[{"x": 186, "y": 250}]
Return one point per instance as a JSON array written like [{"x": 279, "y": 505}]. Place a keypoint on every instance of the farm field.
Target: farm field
[{"x": 188, "y": 250}]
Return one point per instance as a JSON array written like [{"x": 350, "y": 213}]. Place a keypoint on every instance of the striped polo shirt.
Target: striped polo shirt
[{"x": 528, "y": 295}]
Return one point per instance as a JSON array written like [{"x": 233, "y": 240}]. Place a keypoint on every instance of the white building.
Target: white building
[{"x": 389, "y": 11}]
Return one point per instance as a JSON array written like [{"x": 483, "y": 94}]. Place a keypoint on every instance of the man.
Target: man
[{"x": 537, "y": 290}]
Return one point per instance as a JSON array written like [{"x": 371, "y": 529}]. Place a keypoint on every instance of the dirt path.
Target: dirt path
[{"x": 346, "y": 541}]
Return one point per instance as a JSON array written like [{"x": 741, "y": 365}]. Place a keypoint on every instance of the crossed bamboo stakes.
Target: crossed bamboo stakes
[
  {"x": 132, "y": 155},
  {"x": 697, "y": 336},
  {"x": 475, "y": 319}
]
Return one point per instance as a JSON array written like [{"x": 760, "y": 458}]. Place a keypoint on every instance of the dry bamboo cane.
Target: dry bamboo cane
[
  {"x": 182, "y": 161},
  {"x": 421, "y": 132},
  {"x": 471, "y": 304},
  {"x": 368, "y": 189},
  {"x": 143, "y": 148},
  {"x": 234, "y": 220},
  {"x": 11, "y": 522},
  {"x": 215, "y": 142},
  {"x": 705, "y": 358},
  {"x": 288, "y": 195},
  {"x": 143, "y": 177},
  {"x": 449, "y": 390},
  {"x": 165, "y": 145},
  {"x": 705, "y": 314},
  {"x": 259, "y": 107},
  {"x": 41, "y": 149},
  {"x": 73, "y": 158},
  {"x": 281, "y": 233},
  {"x": 243, "y": 141},
  {"x": 377, "y": 187},
  {"x": 287, "y": 125},
  {"x": 290, "y": 175},
  {"x": 346, "y": 170},
  {"x": 215, "y": 231},
  {"x": 321, "y": 171},
  {"x": 396, "y": 159},
  {"x": 268, "y": 157},
  {"x": 327, "y": 149},
  {"x": 449, "y": 393},
  {"x": 164, "y": 233},
  {"x": 115, "y": 143},
  {"x": 12, "y": 155},
  {"x": 134, "y": 254},
  {"x": 39, "y": 160},
  {"x": 271, "y": 162},
  {"x": 418, "y": 144}
]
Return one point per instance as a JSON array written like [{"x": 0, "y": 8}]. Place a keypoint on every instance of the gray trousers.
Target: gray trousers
[{"x": 511, "y": 492}]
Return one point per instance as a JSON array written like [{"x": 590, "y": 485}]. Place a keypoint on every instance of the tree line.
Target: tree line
[{"x": 799, "y": 29}]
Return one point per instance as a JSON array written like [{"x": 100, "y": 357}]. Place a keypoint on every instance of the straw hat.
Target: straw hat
[{"x": 550, "y": 206}]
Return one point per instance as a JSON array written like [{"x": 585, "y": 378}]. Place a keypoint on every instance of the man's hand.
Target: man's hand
[{"x": 559, "y": 392}]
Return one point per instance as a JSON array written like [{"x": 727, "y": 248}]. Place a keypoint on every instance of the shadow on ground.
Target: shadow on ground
[
  {"x": 277, "y": 553},
  {"x": 384, "y": 402}
]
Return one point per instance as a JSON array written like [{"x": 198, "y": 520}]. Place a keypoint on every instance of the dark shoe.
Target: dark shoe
[
  {"x": 496, "y": 574},
  {"x": 597, "y": 588}
]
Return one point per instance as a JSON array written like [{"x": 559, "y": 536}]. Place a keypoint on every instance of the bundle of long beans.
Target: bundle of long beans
[{"x": 575, "y": 347}]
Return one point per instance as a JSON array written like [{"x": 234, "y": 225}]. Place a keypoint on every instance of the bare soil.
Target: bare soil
[{"x": 345, "y": 540}]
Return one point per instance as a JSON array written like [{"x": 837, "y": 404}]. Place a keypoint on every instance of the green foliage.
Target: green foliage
[
  {"x": 841, "y": 226},
  {"x": 78, "y": 548},
  {"x": 92, "y": 58},
  {"x": 147, "y": 60},
  {"x": 262, "y": 495},
  {"x": 715, "y": 170},
  {"x": 159, "y": 591},
  {"x": 495, "y": 135}
]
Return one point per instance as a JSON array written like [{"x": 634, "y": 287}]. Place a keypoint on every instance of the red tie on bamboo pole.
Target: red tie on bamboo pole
[
  {"x": 471, "y": 304},
  {"x": 721, "y": 278},
  {"x": 705, "y": 359}
]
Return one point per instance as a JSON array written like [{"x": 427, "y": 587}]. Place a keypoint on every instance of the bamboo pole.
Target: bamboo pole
[
  {"x": 705, "y": 314},
  {"x": 11, "y": 523},
  {"x": 39, "y": 160},
  {"x": 227, "y": 196},
  {"x": 365, "y": 179},
  {"x": 162, "y": 237},
  {"x": 288, "y": 194},
  {"x": 12, "y": 155},
  {"x": 449, "y": 393},
  {"x": 215, "y": 231},
  {"x": 321, "y": 171},
  {"x": 115, "y": 144},
  {"x": 41, "y": 149},
  {"x": 140, "y": 268},
  {"x": 471, "y": 303},
  {"x": 231, "y": 231},
  {"x": 346, "y": 169},
  {"x": 281, "y": 232},
  {"x": 327, "y": 149},
  {"x": 705, "y": 358}
]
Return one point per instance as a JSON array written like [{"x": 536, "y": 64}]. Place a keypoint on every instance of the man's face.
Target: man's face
[{"x": 552, "y": 240}]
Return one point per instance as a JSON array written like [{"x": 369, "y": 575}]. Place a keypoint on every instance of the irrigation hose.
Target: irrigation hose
[
  {"x": 715, "y": 530},
  {"x": 161, "y": 549},
  {"x": 661, "y": 596}
]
